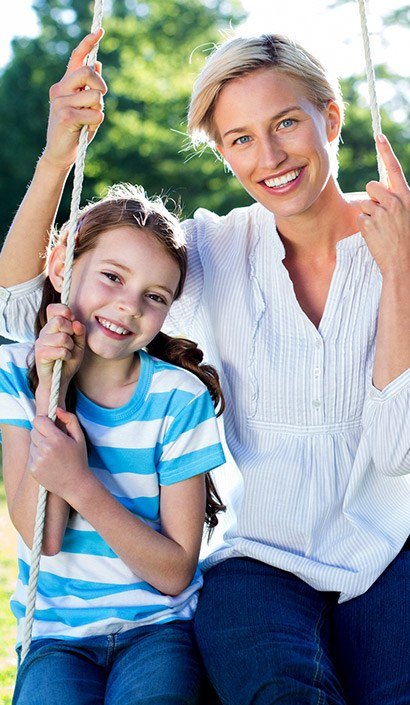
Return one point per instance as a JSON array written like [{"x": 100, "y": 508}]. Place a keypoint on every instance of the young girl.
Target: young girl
[{"x": 119, "y": 581}]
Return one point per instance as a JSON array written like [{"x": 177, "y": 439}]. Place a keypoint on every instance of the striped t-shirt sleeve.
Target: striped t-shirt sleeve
[{"x": 192, "y": 443}]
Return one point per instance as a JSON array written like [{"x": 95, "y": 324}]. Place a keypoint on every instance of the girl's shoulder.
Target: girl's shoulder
[
  {"x": 15, "y": 354},
  {"x": 168, "y": 377}
]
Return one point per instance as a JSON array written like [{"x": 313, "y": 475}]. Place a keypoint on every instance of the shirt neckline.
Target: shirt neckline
[{"x": 95, "y": 412}]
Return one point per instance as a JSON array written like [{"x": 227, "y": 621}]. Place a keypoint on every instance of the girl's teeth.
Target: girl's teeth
[
  {"x": 111, "y": 326},
  {"x": 283, "y": 180}
]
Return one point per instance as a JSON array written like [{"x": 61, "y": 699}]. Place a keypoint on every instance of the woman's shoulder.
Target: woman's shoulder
[{"x": 206, "y": 220}]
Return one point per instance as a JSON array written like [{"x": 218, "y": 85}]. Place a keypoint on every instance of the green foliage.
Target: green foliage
[
  {"x": 357, "y": 156},
  {"x": 8, "y": 571},
  {"x": 149, "y": 64},
  {"x": 151, "y": 54}
]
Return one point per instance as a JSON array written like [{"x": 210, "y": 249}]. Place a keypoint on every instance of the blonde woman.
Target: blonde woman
[{"x": 302, "y": 301}]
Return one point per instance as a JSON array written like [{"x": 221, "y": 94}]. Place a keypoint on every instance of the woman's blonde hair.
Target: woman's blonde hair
[{"x": 240, "y": 56}]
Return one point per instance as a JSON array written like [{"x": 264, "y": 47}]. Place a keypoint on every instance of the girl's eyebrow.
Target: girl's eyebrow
[
  {"x": 116, "y": 264},
  {"x": 234, "y": 130}
]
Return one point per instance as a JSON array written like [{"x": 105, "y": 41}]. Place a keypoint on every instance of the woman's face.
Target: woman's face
[{"x": 276, "y": 142}]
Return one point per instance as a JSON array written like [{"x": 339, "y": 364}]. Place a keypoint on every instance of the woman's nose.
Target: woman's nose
[{"x": 271, "y": 153}]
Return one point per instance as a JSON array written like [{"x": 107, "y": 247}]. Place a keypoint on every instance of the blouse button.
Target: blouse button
[
  {"x": 316, "y": 371},
  {"x": 316, "y": 403}
]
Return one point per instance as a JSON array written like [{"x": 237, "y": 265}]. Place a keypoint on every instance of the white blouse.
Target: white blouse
[{"x": 324, "y": 457}]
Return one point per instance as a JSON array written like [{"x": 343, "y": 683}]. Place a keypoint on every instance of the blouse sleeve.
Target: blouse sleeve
[
  {"x": 18, "y": 309},
  {"x": 386, "y": 424},
  {"x": 182, "y": 313}
]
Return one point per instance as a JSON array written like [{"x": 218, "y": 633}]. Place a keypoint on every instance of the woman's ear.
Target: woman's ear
[
  {"x": 56, "y": 266},
  {"x": 334, "y": 121}
]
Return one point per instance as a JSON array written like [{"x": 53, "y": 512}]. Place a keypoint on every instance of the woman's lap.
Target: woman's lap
[
  {"x": 264, "y": 636},
  {"x": 155, "y": 665},
  {"x": 267, "y": 637},
  {"x": 372, "y": 639}
]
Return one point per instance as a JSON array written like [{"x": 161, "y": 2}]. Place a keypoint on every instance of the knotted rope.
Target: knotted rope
[
  {"x": 371, "y": 82},
  {"x": 56, "y": 378}
]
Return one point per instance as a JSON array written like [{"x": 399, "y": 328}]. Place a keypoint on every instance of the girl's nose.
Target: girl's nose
[{"x": 131, "y": 306}]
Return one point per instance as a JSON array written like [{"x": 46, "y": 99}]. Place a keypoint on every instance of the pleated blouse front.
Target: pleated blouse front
[{"x": 324, "y": 456}]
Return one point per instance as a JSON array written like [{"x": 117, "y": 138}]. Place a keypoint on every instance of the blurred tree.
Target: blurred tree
[
  {"x": 149, "y": 64},
  {"x": 357, "y": 154}
]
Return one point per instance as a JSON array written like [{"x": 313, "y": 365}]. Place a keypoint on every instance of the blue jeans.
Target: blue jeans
[
  {"x": 268, "y": 638},
  {"x": 154, "y": 665}
]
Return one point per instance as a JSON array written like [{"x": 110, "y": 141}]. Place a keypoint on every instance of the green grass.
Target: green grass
[{"x": 8, "y": 572}]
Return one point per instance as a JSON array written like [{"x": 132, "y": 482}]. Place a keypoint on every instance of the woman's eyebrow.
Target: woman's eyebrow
[{"x": 234, "y": 130}]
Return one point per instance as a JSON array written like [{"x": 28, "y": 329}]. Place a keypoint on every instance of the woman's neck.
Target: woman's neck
[
  {"x": 109, "y": 383},
  {"x": 317, "y": 230}
]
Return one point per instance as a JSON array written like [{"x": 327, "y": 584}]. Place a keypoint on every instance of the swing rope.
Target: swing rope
[
  {"x": 56, "y": 378},
  {"x": 371, "y": 82},
  {"x": 72, "y": 227}
]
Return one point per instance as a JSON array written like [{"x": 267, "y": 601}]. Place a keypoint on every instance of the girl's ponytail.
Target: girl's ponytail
[{"x": 186, "y": 354}]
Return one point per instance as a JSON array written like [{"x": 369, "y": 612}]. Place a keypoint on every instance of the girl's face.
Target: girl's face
[
  {"x": 122, "y": 291},
  {"x": 275, "y": 140}
]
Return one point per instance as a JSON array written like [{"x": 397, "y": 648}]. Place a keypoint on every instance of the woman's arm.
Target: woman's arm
[
  {"x": 71, "y": 107},
  {"x": 22, "y": 492},
  {"x": 166, "y": 560},
  {"x": 385, "y": 224}
]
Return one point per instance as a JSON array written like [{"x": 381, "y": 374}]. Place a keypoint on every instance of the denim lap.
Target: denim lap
[
  {"x": 264, "y": 636},
  {"x": 372, "y": 639},
  {"x": 273, "y": 639},
  {"x": 154, "y": 665}
]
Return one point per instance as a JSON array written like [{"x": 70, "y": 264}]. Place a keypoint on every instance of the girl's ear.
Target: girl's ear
[{"x": 56, "y": 267}]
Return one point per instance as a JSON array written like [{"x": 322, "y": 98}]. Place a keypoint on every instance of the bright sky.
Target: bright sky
[{"x": 333, "y": 35}]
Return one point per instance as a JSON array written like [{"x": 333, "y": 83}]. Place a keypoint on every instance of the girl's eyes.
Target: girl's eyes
[
  {"x": 158, "y": 299},
  {"x": 111, "y": 276}
]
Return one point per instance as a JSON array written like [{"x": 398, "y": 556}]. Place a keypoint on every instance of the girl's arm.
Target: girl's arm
[
  {"x": 62, "y": 337},
  {"x": 385, "y": 224},
  {"x": 71, "y": 107},
  {"x": 165, "y": 560}
]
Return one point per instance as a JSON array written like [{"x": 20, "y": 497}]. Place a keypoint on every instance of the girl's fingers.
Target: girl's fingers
[
  {"x": 59, "y": 310},
  {"x": 71, "y": 424}
]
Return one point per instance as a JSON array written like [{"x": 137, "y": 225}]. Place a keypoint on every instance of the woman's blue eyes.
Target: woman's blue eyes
[
  {"x": 245, "y": 139},
  {"x": 242, "y": 140},
  {"x": 288, "y": 122}
]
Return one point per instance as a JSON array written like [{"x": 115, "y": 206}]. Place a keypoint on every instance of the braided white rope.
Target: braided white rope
[
  {"x": 55, "y": 383},
  {"x": 371, "y": 82}
]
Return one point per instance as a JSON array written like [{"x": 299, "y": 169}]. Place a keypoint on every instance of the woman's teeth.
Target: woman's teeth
[{"x": 283, "y": 180}]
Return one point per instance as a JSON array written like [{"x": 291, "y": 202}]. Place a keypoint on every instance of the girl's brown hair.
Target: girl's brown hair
[{"x": 127, "y": 205}]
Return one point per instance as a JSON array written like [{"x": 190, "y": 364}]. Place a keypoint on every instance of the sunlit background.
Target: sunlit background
[{"x": 332, "y": 33}]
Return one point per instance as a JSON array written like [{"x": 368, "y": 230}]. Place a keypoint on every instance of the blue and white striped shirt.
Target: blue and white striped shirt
[
  {"x": 319, "y": 479},
  {"x": 166, "y": 433}
]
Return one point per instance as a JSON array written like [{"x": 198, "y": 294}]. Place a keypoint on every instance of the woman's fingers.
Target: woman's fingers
[
  {"x": 82, "y": 50},
  {"x": 397, "y": 181}
]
